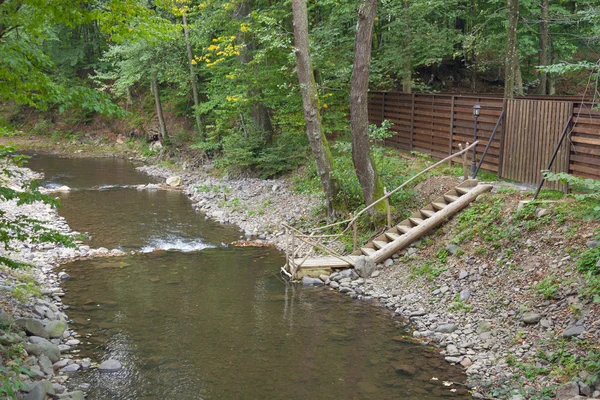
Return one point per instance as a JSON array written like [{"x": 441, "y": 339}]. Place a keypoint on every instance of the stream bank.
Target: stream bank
[{"x": 32, "y": 314}]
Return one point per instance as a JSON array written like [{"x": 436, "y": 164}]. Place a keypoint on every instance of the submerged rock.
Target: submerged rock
[
  {"x": 110, "y": 365},
  {"x": 307, "y": 281}
]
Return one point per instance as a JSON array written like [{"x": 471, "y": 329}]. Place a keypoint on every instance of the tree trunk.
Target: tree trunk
[
  {"x": 259, "y": 112},
  {"x": 407, "y": 77},
  {"x": 511, "y": 62},
  {"x": 193, "y": 79},
  {"x": 359, "y": 116},
  {"x": 544, "y": 46},
  {"x": 310, "y": 101},
  {"x": 159, "y": 112},
  {"x": 518, "y": 80}
]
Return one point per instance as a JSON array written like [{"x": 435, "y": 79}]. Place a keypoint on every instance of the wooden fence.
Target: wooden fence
[{"x": 435, "y": 124}]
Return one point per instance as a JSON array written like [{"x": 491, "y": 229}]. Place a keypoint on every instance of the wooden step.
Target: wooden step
[
  {"x": 427, "y": 213},
  {"x": 324, "y": 262},
  {"x": 439, "y": 206},
  {"x": 380, "y": 244},
  {"x": 367, "y": 251},
  {"x": 462, "y": 190},
  {"x": 392, "y": 236},
  {"x": 450, "y": 198},
  {"x": 404, "y": 228},
  {"x": 415, "y": 221}
]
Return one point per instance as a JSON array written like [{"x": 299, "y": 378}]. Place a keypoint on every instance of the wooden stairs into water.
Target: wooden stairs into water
[{"x": 401, "y": 235}]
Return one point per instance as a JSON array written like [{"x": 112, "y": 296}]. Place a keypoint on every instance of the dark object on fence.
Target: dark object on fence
[
  {"x": 476, "y": 111},
  {"x": 487, "y": 147},
  {"x": 556, "y": 149}
]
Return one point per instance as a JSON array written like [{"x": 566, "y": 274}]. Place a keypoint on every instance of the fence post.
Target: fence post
[
  {"x": 412, "y": 121},
  {"x": 451, "y": 129},
  {"x": 383, "y": 108},
  {"x": 502, "y": 139}
]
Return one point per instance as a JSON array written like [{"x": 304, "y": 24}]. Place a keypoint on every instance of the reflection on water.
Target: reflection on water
[{"x": 218, "y": 323}]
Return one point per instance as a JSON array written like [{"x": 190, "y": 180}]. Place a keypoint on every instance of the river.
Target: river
[{"x": 192, "y": 317}]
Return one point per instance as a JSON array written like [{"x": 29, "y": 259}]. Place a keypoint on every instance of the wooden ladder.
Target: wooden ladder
[{"x": 422, "y": 221}]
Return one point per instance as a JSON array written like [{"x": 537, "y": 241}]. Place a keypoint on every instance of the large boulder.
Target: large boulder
[
  {"x": 33, "y": 327},
  {"x": 48, "y": 349},
  {"x": 364, "y": 266},
  {"x": 55, "y": 329},
  {"x": 174, "y": 181}
]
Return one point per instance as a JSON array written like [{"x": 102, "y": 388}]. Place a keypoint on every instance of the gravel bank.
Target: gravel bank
[{"x": 32, "y": 312}]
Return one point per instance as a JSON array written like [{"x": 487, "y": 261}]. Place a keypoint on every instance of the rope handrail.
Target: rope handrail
[
  {"x": 313, "y": 239},
  {"x": 353, "y": 219}
]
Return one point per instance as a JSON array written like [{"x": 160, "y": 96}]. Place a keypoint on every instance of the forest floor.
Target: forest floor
[{"x": 505, "y": 290}]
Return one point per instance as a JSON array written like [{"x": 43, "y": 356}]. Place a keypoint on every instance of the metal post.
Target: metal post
[
  {"x": 474, "y": 161},
  {"x": 556, "y": 150}
]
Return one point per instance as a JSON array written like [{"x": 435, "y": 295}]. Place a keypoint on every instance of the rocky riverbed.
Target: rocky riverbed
[
  {"x": 32, "y": 314},
  {"x": 482, "y": 313}
]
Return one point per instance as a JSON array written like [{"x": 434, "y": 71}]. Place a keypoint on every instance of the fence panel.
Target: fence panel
[
  {"x": 436, "y": 124},
  {"x": 585, "y": 142},
  {"x": 533, "y": 128}
]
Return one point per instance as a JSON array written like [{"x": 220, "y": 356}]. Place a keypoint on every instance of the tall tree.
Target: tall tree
[
  {"x": 259, "y": 112},
  {"x": 193, "y": 76},
  {"x": 511, "y": 62},
  {"x": 359, "y": 116},
  {"x": 310, "y": 102},
  {"x": 158, "y": 105},
  {"x": 544, "y": 46}
]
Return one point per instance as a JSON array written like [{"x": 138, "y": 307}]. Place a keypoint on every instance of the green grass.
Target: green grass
[
  {"x": 548, "y": 287},
  {"x": 430, "y": 270}
]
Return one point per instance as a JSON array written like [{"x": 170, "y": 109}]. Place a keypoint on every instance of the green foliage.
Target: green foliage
[
  {"x": 548, "y": 287},
  {"x": 588, "y": 261},
  {"x": 10, "y": 371},
  {"x": 429, "y": 270},
  {"x": 442, "y": 255},
  {"x": 242, "y": 153},
  {"x": 587, "y": 192}
]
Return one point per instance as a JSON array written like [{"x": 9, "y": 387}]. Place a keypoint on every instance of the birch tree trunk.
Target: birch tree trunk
[
  {"x": 193, "y": 78},
  {"x": 359, "y": 117},
  {"x": 511, "y": 62},
  {"x": 159, "y": 112},
  {"x": 310, "y": 101}
]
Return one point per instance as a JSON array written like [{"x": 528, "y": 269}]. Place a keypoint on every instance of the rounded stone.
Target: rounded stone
[{"x": 110, "y": 365}]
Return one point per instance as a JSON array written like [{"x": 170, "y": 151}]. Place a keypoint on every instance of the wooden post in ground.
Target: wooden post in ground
[
  {"x": 387, "y": 208},
  {"x": 354, "y": 234},
  {"x": 464, "y": 157}
]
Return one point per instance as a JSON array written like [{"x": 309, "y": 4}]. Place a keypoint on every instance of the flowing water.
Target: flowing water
[{"x": 195, "y": 318}]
